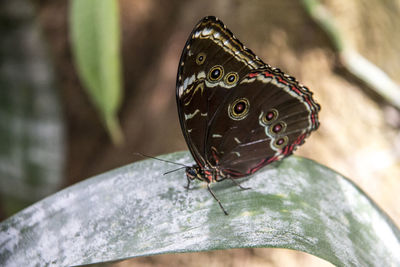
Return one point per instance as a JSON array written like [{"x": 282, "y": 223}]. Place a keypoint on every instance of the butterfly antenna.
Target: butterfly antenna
[
  {"x": 147, "y": 156},
  {"x": 173, "y": 170}
]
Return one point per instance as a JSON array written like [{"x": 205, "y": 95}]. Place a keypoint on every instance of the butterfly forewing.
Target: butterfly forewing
[{"x": 212, "y": 64}]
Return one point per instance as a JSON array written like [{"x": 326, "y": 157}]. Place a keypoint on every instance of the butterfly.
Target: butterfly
[{"x": 237, "y": 113}]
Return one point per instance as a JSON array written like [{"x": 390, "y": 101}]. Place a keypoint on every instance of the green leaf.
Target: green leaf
[
  {"x": 95, "y": 39},
  {"x": 136, "y": 210}
]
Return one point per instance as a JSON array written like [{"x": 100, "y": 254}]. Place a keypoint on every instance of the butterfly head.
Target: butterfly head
[
  {"x": 196, "y": 172},
  {"x": 193, "y": 172}
]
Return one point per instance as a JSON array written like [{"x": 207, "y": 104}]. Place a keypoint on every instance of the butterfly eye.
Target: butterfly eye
[
  {"x": 270, "y": 116},
  {"x": 239, "y": 109},
  {"x": 277, "y": 128},
  {"x": 201, "y": 57},
  {"x": 231, "y": 78},
  {"x": 281, "y": 142},
  {"x": 191, "y": 173},
  {"x": 215, "y": 73}
]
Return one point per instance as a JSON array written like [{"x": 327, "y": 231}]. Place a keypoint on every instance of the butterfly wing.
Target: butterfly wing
[
  {"x": 237, "y": 113},
  {"x": 267, "y": 115},
  {"x": 213, "y": 62}
]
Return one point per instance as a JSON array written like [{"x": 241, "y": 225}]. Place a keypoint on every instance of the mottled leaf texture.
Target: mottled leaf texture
[{"x": 135, "y": 210}]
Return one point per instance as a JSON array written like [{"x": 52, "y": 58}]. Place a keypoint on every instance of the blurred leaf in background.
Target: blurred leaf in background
[
  {"x": 95, "y": 39},
  {"x": 31, "y": 126}
]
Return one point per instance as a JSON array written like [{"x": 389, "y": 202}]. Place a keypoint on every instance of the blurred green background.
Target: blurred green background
[{"x": 53, "y": 134}]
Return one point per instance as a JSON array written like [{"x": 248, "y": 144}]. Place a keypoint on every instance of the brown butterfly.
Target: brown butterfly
[{"x": 237, "y": 113}]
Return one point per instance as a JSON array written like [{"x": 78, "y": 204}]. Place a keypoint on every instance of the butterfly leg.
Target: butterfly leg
[
  {"x": 187, "y": 187},
  {"x": 239, "y": 185},
  {"x": 215, "y": 197}
]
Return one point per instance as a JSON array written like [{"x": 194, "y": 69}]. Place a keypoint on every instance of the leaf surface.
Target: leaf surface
[{"x": 135, "y": 210}]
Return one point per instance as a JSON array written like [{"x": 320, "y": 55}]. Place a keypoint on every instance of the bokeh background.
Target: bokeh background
[{"x": 359, "y": 134}]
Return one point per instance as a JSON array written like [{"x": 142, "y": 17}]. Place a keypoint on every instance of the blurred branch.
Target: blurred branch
[{"x": 353, "y": 61}]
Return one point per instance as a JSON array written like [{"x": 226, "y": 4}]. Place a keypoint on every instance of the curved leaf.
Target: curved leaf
[
  {"x": 95, "y": 40},
  {"x": 135, "y": 210}
]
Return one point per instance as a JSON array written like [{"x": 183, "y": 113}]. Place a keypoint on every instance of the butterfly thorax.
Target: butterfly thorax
[{"x": 206, "y": 174}]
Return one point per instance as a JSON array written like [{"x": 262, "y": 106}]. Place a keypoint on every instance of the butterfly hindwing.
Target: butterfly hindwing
[{"x": 265, "y": 118}]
